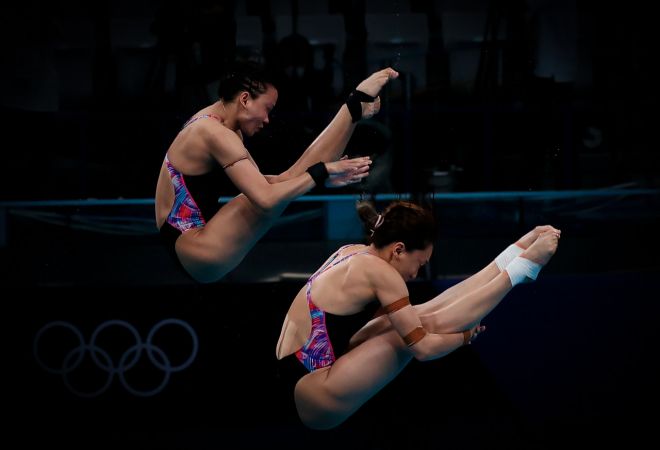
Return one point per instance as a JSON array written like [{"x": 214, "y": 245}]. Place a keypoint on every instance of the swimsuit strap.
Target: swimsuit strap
[
  {"x": 329, "y": 265},
  {"x": 203, "y": 116},
  {"x": 330, "y": 260}
]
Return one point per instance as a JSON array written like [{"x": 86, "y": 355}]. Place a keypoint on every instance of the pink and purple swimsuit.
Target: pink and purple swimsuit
[{"x": 318, "y": 351}]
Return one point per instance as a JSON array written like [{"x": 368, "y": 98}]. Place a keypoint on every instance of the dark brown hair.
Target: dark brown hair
[
  {"x": 401, "y": 221},
  {"x": 245, "y": 76}
]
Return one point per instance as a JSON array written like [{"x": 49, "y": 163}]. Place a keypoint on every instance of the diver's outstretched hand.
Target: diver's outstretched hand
[
  {"x": 470, "y": 335},
  {"x": 347, "y": 171}
]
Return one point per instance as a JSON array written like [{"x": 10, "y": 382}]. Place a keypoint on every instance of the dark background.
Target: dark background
[
  {"x": 570, "y": 359},
  {"x": 494, "y": 96},
  {"x": 501, "y": 95}
]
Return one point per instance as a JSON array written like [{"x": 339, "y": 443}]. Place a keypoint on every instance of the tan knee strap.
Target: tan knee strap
[{"x": 414, "y": 336}]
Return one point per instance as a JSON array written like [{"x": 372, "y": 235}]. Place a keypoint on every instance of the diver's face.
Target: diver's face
[
  {"x": 257, "y": 110},
  {"x": 408, "y": 263}
]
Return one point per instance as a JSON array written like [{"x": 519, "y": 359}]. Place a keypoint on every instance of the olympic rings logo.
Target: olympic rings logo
[{"x": 102, "y": 359}]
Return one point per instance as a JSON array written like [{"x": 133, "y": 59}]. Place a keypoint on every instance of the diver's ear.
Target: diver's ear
[{"x": 243, "y": 98}]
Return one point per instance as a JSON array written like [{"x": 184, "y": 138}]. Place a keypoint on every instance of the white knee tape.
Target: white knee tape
[
  {"x": 521, "y": 268},
  {"x": 503, "y": 259}
]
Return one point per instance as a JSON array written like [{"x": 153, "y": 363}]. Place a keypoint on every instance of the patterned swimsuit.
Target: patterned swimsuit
[
  {"x": 317, "y": 351},
  {"x": 186, "y": 213}
]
